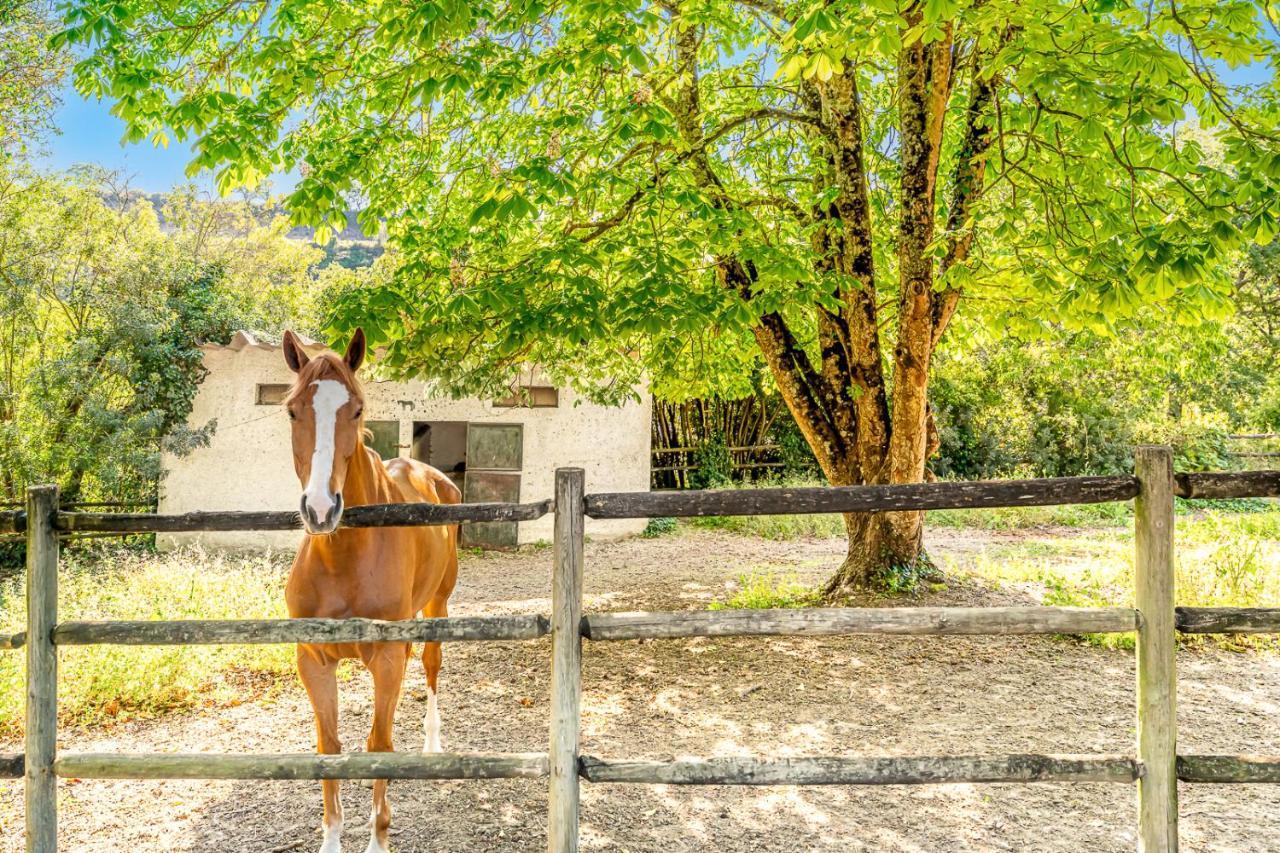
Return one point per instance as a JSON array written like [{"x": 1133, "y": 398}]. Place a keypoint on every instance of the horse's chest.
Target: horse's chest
[{"x": 370, "y": 585}]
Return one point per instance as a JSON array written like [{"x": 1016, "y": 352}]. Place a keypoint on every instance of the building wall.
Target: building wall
[{"x": 248, "y": 463}]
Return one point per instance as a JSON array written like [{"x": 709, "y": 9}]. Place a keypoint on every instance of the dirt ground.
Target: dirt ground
[{"x": 837, "y": 696}]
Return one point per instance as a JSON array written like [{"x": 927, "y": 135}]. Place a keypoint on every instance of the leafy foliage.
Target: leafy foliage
[
  {"x": 102, "y": 315},
  {"x": 30, "y": 73},
  {"x": 714, "y": 463},
  {"x": 616, "y": 189},
  {"x": 1069, "y": 403},
  {"x": 529, "y": 159}
]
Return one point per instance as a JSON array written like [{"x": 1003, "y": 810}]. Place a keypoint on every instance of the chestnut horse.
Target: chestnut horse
[{"x": 376, "y": 573}]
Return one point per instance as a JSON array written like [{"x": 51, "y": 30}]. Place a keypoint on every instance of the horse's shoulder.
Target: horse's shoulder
[{"x": 420, "y": 481}]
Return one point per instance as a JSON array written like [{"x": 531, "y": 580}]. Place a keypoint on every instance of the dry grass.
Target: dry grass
[{"x": 101, "y": 684}]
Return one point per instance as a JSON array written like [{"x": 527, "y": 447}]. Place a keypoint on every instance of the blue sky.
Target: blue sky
[{"x": 91, "y": 134}]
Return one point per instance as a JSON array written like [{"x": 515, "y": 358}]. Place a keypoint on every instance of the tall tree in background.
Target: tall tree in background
[
  {"x": 102, "y": 315},
  {"x": 622, "y": 188},
  {"x": 30, "y": 72}
]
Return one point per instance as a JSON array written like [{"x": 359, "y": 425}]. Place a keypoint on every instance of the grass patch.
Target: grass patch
[
  {"x": 102, "y": 684},
  {"x": 768, "y": 590},
  {"x": 656, "y": 527},
  {"x": 1031, "y": 517},
  {"x": 1223, "y": 559},
  {"x": 780, "y": 527},
  {"x": 831, "y": 525}
]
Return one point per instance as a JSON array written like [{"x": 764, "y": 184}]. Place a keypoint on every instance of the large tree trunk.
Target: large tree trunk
[
  {"x": 865, "y": 424},
  {"x": 884, "y": 553}
]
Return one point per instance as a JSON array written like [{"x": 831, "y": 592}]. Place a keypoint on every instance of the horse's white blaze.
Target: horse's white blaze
[
  {"x": 330, "y": 396},
  {"x": 431, "y": 724}
]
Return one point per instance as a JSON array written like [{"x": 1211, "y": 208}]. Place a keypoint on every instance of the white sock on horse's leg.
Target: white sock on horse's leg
[
  {"x": 431, "y": 724},
  {"x": 332, "y": 838},
  {"x": 374, "y": 846}
]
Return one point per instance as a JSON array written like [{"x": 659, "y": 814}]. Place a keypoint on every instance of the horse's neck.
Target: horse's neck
[{"x": 367, "y": 481}]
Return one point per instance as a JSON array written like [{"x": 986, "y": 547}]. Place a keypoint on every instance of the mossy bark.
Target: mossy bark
[{"x": 863, "y": 404}]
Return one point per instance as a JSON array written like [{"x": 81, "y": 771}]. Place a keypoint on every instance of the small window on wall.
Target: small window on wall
[
  {"x": 537, "y": 397},
  {"x": 386, "y": 438},
  {"x": 271, "y": 395}
]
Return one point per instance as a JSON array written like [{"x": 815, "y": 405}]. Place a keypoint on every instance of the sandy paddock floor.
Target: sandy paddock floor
[{"x": 841, "y": 696}]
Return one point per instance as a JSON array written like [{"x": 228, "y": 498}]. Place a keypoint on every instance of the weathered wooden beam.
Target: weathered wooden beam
[
  {"x": 1229, "y": 768},
  {"x": 14, "y": 521},
  {"x": 566, "y": 662},
  {"x": 314, "y": 631},
  {"x": 859, "y": 620},
  {"x": 788, "y": 501},
  {"x": 41, "y": 735},
  {"x": 1228, "y": 484},
  {"x": 907, "y": 770},
  {"x": 13, "y": 641},
  {"x": 376, "y": 515},
  {"x": 1228, "y": 620},
  {"x": 11, "y": 765},
  {"x": 1157, "y": 677},
  {"x": 352, "y": 765}
]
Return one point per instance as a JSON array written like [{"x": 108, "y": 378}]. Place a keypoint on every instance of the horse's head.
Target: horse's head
[{"x": 326, "y": 409}]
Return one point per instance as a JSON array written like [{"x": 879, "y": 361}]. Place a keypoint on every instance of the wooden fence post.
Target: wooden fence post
[
  {"x": 42, "y": 670},
  {"x": 1157, "y": 675},
  {"x": 566, "y": 661}
]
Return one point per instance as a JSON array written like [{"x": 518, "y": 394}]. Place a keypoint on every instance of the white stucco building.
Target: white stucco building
[{"x": 495, "y": 450}]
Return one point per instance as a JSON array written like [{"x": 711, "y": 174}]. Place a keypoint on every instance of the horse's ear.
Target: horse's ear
[
  {"x": 294, "y": 355},
  {"x": 355, "y": 351}
]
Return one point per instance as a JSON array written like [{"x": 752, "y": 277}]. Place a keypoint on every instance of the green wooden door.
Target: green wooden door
[{"x": 495, "y": 455}]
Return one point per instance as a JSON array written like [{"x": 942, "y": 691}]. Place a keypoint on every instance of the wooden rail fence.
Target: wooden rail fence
[{"x": 1155, "y": 766}]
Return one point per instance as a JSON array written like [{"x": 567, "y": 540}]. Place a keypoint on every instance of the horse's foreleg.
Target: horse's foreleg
[
  {"x": 387, "y": 667},
  {"x": 439, "y": 608},
  {"x": 320, "y": 679}
]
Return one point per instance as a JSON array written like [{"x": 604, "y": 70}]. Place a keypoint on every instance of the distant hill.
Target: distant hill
[{"x": 350, "y": 247}]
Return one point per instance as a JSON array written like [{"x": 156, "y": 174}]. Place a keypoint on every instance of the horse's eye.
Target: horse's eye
[
  {"x": 357, "y": 415},
  {"x": 293, "y": 416}
]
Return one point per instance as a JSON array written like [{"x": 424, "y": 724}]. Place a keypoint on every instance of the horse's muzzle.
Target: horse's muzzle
[{"x": 314, "y": 524}]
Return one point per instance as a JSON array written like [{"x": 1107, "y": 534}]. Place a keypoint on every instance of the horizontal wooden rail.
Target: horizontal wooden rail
[
  {"x": 1230, "y": 484},
  {"x": 12, "y": 766},
  {"x": 13, "y": 641},
  {"x": 314, "y": 631},
  {"x": 352, "y": 765},
  {"x": 1229, "y": 768},
  {"x": 376, "y": 515},
  {"x": 859, "y": 620},
  {"x": 13, "y": 521},
  {"x": 1228, "y": 620},
  {"x": 912, "y": 770},
  {"x": 798, "y": 501}
]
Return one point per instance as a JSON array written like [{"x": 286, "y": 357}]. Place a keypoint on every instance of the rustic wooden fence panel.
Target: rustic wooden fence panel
[{"x": 1155, "y": 766}]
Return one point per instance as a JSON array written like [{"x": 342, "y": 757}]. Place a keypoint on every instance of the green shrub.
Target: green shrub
[
  {"x": 1199, "y": 441},
  {"x": 659, "y": 527},
  {"x": 798, "y": 461},
  {"x": 714, "y": 464}
]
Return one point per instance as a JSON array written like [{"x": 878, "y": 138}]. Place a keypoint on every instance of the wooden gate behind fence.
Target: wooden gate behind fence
[{"x": 1154, "y": 765}]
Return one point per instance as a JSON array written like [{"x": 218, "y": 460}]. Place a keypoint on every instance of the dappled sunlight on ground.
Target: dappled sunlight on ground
[{"x": 722, "y": 697}]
